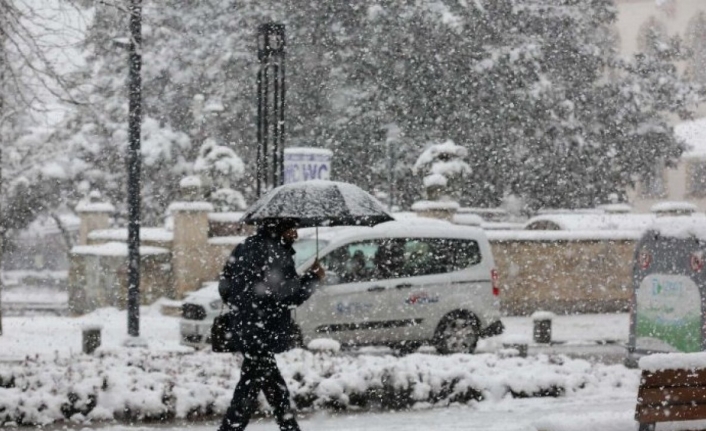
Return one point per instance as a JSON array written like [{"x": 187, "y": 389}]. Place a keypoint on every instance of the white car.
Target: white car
[{"x": 399, "y": 283}]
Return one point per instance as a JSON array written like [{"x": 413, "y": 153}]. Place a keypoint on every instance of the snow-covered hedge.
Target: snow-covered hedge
[{"x": 138, "y": 385}]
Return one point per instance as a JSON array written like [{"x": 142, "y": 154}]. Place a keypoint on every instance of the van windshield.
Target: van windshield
[{"x": 306, "y": 248}]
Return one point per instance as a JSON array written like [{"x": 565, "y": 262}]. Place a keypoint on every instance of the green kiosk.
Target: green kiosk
[{"x": 669, "y": 286}]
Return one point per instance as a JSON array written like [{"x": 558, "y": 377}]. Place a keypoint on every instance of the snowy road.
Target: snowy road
[{"x": 601, "y": 412}]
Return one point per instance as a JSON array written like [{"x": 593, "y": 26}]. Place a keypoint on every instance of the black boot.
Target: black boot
[{"x": 288, "y": 423}]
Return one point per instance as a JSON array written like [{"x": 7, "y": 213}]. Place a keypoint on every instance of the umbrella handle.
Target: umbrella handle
[{"x": 317, "y": 244}]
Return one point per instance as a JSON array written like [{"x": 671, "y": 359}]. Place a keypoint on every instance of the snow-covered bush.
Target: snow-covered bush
[
  {"x": 136, "y": 385},
  {"x": 444, "y": 167},
  {"x": 220, "y": 169}
]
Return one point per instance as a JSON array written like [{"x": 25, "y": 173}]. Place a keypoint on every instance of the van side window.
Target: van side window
[
  {"x": 426, "y": 256},
  {"x": 351, "y": 263},
  {"x": 391, "y": 258}
]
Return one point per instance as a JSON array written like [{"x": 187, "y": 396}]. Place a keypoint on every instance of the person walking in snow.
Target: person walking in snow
[{"x": 263, "y": 288}]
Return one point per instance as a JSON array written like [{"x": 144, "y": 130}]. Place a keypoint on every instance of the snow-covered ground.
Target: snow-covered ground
[
  {"x": 60, "y": 335},
  {"x": 583, "y": 334},
  {"x": 140, "y": 385},
  {"x": 600, "y": 412},
  {"x": 594, "y": 395}
]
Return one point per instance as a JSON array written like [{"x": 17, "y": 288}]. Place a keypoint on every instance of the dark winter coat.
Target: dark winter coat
[{"x": 264, "y": 287}]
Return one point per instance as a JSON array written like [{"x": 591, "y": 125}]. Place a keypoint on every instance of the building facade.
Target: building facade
[{"x": 686, "y": 19}]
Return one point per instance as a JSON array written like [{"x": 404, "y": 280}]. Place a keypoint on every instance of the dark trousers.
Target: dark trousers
[{"x": 259, "y": 373}]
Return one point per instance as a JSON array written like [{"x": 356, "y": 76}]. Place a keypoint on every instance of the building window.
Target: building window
[
  {"x": 653, "y": 182},
  {"x": 696, "y": 177},
  {"x": 695, "y": 37}
]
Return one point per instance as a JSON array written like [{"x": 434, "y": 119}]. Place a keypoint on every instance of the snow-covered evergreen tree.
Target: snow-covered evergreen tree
[
  {"x": 443, "y": 167},
  {"x": 221, "y": 171},
  {"x": 520, "y": 84}
]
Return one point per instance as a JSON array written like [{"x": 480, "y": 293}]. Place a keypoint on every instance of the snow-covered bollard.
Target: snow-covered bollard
[
  {"x": 324, "y": 345},
  {"x": 542, "y": 330},
  {"x": 91, "y": 337},
  {"x": 512, "y": 344}
]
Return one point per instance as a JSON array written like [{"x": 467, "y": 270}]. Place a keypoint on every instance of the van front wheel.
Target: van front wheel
[{"x": 457, "y": 333}]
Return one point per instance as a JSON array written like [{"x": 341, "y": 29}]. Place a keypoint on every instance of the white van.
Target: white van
[{"x": 399, "y": 283}]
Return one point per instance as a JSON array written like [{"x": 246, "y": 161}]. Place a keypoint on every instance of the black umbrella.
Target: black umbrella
[{"x": 318, "y": 203}]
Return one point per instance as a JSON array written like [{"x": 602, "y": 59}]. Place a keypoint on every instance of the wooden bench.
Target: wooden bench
[{"x": 670, "y": 395}]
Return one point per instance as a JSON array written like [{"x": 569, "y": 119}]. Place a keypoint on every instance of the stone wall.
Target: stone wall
[
  {"x": 172, "y": 262},
  {"x": 564, "y": 276},
  {"x": 100, "y": 279},
  {"x": 560, "y": 271}
]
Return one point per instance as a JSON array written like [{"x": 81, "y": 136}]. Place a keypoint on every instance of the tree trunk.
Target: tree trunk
[{"x": 64, "y": 232}]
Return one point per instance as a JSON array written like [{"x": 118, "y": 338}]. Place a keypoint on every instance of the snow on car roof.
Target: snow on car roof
[
  {"x": 593, "y": 222},
  {"x": 421, "y": 227},
  {"x": 682, "y": 227},
  {"x": 208, "y": 292}
]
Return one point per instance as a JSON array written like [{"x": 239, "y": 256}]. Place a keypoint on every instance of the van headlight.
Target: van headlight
[{"x": 216, "y": 305}]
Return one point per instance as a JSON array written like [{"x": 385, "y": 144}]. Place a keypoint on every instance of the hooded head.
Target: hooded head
[{"x": 279, "y": 228}]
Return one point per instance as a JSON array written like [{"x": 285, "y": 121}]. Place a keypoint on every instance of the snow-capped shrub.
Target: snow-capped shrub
[{"x": 139, "y": 385}]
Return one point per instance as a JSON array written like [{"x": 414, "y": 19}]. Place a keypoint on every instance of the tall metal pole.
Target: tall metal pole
[
  {"x": 270, "y": 106},
  {"x": 133, "y": 167},
  {"x": 259, "y": 172},
  {"x": 275, "y": 126},
  {"x": 265, "y": 119},
  {"x": 281, "y": 76}
]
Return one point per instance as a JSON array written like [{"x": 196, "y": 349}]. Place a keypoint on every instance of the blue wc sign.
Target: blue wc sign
[{"x": 303, "y": 164}]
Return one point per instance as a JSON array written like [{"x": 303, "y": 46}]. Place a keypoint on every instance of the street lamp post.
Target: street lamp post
[
  {"x": 270, "y": 106},
  {"x": 392, "y": 140},
  {"x": 133, "y": 167}
]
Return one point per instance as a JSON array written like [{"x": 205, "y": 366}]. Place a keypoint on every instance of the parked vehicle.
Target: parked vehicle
[{"x": 399, "y": 283}]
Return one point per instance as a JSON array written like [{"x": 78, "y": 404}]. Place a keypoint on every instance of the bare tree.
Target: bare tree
[{"x": 27, "y": 73}]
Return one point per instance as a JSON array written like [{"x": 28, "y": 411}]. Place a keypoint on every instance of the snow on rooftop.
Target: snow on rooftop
[
  {"x": 694, "y": 134},
  {"x": 190, "y": 206},
  {"x": 146, "y": 234},
  {"x": 94, "y": 207},
  {"x": 114, "y": 249}
]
